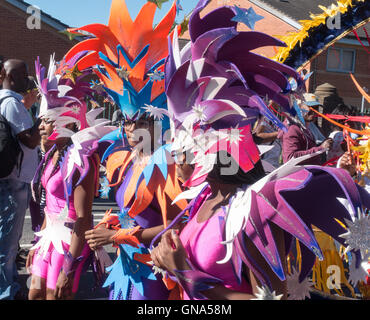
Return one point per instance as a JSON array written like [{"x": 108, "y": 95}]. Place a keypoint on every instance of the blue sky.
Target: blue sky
[{"x": 77, "y": 13}]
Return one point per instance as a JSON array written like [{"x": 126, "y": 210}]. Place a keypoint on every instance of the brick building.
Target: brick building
[
  {"x": 18, "y": 41},
  {"x": 280, "y": 17},
  {"x": 333, "y": 65}
]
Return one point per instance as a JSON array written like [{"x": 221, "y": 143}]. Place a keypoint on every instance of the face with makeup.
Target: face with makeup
[
  {"x": 183, "y": 167},
  {"x": 46, "y": 128},
  {"x": 139, "y": 131}
]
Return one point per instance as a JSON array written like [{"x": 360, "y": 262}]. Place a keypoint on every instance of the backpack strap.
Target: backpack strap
[
  {"x": 20, "y": 160},
  {"x": 1, "y": 101},
  {"x": 4, "y": 98}
]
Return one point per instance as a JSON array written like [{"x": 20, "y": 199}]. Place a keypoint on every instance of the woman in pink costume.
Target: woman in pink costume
[
  {"x": 204, "y": 234},
  {"x": 51, "y": 278},
  {"x": 68, "y": 173},
  {"x": 242, "y": 223}
]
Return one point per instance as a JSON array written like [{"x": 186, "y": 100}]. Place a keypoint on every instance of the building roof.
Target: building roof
[
  {"x": 298, "y": 9},
  {"x": 46, "y": 18},
  {"x": 292, "y": 11}
]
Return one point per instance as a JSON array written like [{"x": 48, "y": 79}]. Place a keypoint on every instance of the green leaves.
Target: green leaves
[
  {"x": 158, "y": 3},
  {"x": 70, "y": 35}
]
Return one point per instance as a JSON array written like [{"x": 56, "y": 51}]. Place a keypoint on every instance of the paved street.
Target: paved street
[{"x": 87, "y": 280}]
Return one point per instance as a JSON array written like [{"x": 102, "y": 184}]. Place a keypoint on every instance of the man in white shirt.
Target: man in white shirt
[{"x": 15, "y": 189}]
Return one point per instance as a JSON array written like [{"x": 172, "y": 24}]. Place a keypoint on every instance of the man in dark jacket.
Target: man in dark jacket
[{"x": 299, "y": 140}]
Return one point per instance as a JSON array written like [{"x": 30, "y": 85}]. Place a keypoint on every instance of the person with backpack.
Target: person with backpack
[{"x": 19, "y": 137}]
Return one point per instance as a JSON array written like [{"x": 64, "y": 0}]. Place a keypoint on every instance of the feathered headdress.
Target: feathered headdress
[
  {"x": 129, "y": 56},
  {"x": 216, "y": 89},
  {"x": 63, "y": 93}
]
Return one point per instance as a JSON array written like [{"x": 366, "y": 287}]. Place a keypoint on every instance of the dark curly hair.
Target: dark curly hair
[{"x": 240, "y": 177}]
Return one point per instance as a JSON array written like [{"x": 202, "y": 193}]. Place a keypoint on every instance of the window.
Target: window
[{"x": 341, "y": 60}]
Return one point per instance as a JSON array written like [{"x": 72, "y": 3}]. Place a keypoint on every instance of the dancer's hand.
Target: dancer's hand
[
  {"x": 99, "y": 237},
  {"x": 170, "y": 254},
  {"x": 64, "y": 285},
  {"x": 29, "y": 260}
]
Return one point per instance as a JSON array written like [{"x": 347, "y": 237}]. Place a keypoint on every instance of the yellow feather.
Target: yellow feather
[{"x": 292, "y": 39}]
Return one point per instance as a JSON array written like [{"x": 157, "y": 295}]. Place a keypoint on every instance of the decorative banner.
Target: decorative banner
[
  {"x": 319, "y": 33},
  {"x": 359, "y": 132},
  {"x": 364, "y": 119}
]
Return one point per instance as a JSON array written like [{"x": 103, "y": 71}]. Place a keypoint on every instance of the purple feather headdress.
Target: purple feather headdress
[
  {"x": 217, "y": 84},
  {"x": 62, "y": 91}
]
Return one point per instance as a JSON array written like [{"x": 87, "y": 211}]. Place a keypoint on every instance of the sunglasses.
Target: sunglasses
[{"x": 31, "y": 90}]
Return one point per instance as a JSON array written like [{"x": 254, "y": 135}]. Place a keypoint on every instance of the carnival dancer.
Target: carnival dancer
[
  {"x": 68, "y": 173},
  {"x": 130, "y": 56},
  {"x": 242, "y": 223}
]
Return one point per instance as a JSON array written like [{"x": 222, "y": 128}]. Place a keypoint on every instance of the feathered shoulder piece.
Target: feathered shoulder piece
[
  {"x": 140, "y": 180},
  {"x": 84, "y": 147},
  {"x": 295, "y": 198}
]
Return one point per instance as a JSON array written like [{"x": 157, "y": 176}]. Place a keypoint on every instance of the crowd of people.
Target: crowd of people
[{"x": 214, "y": 182}]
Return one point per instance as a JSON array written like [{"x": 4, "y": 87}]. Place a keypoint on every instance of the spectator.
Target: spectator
[
  {"x": 15, "y": 189},
  {"x": 337, "y": 133},
  {"x": 30, "y": 97},
  {"x": 266, "y": 134},
  {"x": 319, "y": 137},
  {"x": 299, "y": 140}
]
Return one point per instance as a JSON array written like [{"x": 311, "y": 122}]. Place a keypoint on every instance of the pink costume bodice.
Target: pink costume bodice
[
  {"x": 55, "y": 199},
  {"x": 202, "y": 242}
]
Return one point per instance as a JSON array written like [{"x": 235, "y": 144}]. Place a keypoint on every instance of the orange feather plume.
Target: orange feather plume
[{"x": 133, "y": 36}]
